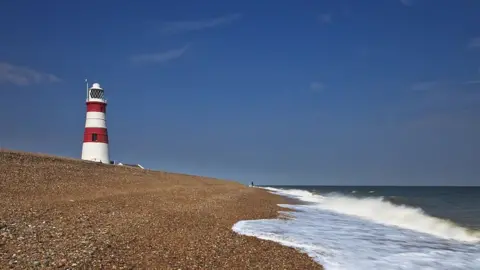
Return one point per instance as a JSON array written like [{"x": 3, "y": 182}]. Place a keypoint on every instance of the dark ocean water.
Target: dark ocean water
[{"x": 375, "y": 227}]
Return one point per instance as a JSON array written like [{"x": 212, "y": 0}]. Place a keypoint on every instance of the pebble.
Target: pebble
[{"x": 130, "y": 218}]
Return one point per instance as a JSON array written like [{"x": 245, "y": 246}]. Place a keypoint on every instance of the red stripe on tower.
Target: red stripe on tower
[
  {"x": 95, "y": 135},
  {"x": 94, "y": 106}
]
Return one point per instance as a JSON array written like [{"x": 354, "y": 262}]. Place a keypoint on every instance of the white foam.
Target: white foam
[
  {"x": 347, "y": 233},
  {"x": 378, "y": 210}
]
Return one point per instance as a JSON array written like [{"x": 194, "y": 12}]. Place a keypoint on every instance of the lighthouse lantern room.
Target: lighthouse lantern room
[{"x": 95, "y": 137}]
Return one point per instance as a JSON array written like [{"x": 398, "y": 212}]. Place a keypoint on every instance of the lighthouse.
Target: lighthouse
[{"x": 95, "y": 137}]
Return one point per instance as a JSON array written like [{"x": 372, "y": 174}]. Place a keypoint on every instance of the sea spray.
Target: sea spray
[
  {"x": 378, "y": 210},
  {"x": 344, "y": 232}
]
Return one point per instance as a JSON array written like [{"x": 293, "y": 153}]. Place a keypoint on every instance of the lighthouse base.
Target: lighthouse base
[{"x": 95, "y": 151}]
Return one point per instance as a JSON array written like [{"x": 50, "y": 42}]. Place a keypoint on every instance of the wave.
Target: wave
[{"x": 381, "y": 211}]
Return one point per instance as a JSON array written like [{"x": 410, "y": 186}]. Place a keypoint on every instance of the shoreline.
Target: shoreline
[{"x": 59, "y": 212}]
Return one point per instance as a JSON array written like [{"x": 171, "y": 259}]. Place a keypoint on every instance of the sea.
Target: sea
[{"x": 357, "y": 228}]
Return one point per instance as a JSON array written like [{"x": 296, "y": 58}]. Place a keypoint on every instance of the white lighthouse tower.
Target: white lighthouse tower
[{"x": 95, "y": 138}]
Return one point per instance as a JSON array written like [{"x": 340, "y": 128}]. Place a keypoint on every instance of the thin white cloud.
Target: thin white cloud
[
  {"x": 159, "y": 57},
  {"x": 474, "y": 43},
  {"x": 440, "y": 85},
  {"x": 407, "y": 3},
  {"x": 187, "y": 26},
  {"x": 317, "y": 86},
  {"x": 472, "y": 82},
  {"x": 326, "y": 18},
  {"x": 23, "y": 76},
  {"x": 426, "y": 86}
]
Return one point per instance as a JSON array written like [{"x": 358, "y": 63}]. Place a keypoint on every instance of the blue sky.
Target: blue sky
[{"x": 277, "y": 92}]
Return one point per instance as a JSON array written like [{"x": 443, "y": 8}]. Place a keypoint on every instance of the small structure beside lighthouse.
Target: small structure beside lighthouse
[{"x": 95, "y": 137}]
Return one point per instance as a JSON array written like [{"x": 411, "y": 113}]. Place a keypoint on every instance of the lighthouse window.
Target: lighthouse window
[
  {"x": 96, "y": 93},
  {"x": 94, "y": 137}
]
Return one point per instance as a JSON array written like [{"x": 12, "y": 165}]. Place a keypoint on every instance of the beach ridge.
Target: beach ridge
[{"x": 58, "y": 213}]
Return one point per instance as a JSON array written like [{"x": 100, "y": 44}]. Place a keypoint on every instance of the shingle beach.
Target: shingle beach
[{"x": 59, "y": 213}]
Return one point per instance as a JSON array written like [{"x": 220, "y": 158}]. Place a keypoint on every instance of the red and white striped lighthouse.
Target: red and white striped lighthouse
[{"x": 95, "y": 138}]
